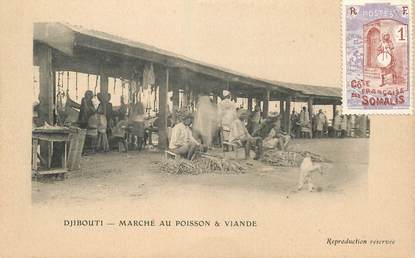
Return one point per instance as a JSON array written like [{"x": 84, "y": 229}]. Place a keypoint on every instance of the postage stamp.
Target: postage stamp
[{"x": 377, "y": 57}]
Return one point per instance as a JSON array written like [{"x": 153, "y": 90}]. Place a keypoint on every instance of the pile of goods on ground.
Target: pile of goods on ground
[
  {"x": 290, "y": 158},
  {"x": 201, "y": 165}
]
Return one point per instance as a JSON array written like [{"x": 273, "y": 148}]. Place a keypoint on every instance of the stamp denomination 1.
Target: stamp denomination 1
[{"x": 377, "y": 57}]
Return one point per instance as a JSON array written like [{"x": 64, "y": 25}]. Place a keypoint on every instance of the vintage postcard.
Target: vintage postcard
[
  {"x": 206, "y": 129},
  {"x": 377, "y": 57}
]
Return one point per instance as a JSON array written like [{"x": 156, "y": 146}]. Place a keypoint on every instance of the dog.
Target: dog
[{"x": 307, "y": 168}]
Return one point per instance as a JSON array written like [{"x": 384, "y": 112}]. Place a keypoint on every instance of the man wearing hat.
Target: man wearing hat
[
  {"x": 227, "y": 114},
  {"x": 240, "y": 135},
  {"x": 182, "y": 141}
]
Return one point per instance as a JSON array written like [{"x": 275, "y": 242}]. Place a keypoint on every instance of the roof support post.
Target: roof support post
[
  {"x": 46, "y": 96},
  {"x": 176, "y": 100},
  {"x": 163, "y": 97},
  {"x": 215, "y": 98},
  {"x": 288, "y": 115},
  {"x": 46, "y": 84},
  {"x": 310, "y": 107},
  {"x": 103, "y": 82},
  {"x": 266, "y": 103},
  {"x": 250, "y": 103},
  {"x": 195, "y": 96},
  {"x": 310, "y": 113},
  {"x": 334, "y": 113},
  {"x": 282, "y": 114},
  {"x": 186, "y": 95}
]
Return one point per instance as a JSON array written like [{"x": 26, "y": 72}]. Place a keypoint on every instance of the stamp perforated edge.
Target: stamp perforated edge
[{"x": 403, "y": 111}]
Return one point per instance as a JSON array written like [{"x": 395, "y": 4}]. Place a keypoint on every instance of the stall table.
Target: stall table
[{"x": 50, "y": 135}]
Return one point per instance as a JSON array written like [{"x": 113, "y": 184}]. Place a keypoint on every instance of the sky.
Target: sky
[{"x": 278, "y": 40}]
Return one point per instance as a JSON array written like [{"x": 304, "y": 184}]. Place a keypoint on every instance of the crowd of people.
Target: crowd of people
[
  {"x": 227, "y": 125},
  {"x": 224, "y": 124},
  {"x": 318, "y": 126},
  {"x": 105, "y": 126}
]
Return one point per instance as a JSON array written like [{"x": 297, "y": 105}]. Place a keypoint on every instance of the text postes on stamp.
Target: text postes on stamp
[{"x": 376, "y": 57}]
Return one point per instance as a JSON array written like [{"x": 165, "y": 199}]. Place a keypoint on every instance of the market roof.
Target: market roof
[
  {"x": 66, "y": 38},
  {"x": 311, "y": 90}
]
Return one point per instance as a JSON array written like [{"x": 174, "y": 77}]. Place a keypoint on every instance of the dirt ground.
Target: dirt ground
[{"x": 136, "y": 176}]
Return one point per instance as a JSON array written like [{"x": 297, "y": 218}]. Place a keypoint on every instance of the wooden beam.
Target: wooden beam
[
  {"x": 266, "y": 103},
  {"x": 176, "y": 96},
  {"x": 282, "y": 114},
  {"x": 195, "y": 96},
  {"x": 310, "y": 113},
  {"x": 163, "y": 98},
  {"x": 215, "y": 99},
  {"x": 334, "y": 113},
  {"x": 310, "y": 108},
  {"x": 87, "y": 41},
  {"x": 103, "y": 83},
  {"x": 176, "y": 102},
  {"x": 288, "y": 115},
  {"x": 46, "y": 95},
  {"x": 55, "y": 35},
  {"x": 87, "y": 62},
  {"x": 46, "y": 84},
  {"x": 249, "y": 103},
  {"x": 186, "y": 93}
]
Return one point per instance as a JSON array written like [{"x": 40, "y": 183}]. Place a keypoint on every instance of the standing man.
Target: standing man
[
  {"x": 87, "y": 109},
  {"x": 295, "y": 132},
  {"x": 305, "y": 124},
  {"x": 122, "y": 112},
  {"x": 320, "y": 123},
  {"x": 337, "y": 124},
  {"x": 255, "y": 120},
  {"x": 227, "y": 114}
]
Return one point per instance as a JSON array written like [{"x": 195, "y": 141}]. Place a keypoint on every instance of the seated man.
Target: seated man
[
  {"x": 276, "y": 137},
  {"x": 182, "y": 141},
  {"x": 240, "y": 135}
]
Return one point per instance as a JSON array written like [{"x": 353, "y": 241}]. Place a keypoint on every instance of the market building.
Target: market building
[{"x": 62, "y": 47}]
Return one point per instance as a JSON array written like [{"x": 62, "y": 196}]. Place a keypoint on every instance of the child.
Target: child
[
  {"x": 102, "y": 130},
  {"x": 306, "y": 172}
]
